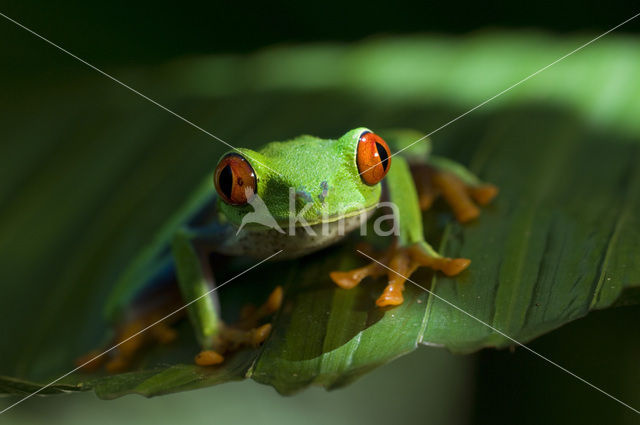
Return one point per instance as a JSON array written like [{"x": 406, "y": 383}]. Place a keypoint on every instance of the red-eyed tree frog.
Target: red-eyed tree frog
[{"x": 293, "y": 197}]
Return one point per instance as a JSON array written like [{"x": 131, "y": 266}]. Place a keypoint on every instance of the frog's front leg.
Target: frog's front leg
[
  {"x": 410, "y": 250},
  {"x": 191, "y": 251}
]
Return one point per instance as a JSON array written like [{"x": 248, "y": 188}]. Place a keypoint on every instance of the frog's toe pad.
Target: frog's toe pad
[
  {"x": 351, "y": 278},
  {"x": 345, "y": 280},
  {"x": 260, "y": 334},
  {"x": 391, "y": 296},
  {"x": 419, "y": 255},
  {"x": 208, "y": 358},
  {"x": 274, "y": 301},
  {"x": 484, "y": 193},
  {"x": 455, "y": 266}
]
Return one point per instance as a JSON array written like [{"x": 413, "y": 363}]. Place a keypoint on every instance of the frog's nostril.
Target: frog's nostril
[
  {"x": 324, "y": 186},
  {"x": 303, "y": 195}
]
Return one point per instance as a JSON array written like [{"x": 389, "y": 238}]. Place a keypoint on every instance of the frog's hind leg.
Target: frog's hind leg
[
  {"x": 461, "y": 189},
  {"x": 427, "y": 191},
  {"x": 145, "y": 321},
  {"x": 133, "y": 336}
]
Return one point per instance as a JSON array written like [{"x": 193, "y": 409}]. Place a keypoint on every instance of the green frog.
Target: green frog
[{"x": 290, "y": 198}]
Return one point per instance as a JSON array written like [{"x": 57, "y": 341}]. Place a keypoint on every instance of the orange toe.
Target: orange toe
[
  {"x": 455, "y": 266},
  {"x": 402, "y": 262},
  {"x": 467, "y": 213},
  {"x": 455, "y": 194},
  {"x": 351, "y": 278},
  {"x": 391, "y": 296},
  {"x": 345, "y": 280},
  {"x": 484, "y": 193},
  {"x": 258, "y": 335},
  {"x": 275, "y": 300},
  {"x": 208, "y": 358}
]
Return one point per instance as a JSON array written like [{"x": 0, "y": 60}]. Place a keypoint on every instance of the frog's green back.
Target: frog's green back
[{"x": 410, "y": 143}]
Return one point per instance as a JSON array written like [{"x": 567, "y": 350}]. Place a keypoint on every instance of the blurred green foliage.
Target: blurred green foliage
[{"x": 122, "y": 32}]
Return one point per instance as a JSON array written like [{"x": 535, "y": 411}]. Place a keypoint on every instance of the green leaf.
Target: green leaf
[{"x": 90, "y": 171}]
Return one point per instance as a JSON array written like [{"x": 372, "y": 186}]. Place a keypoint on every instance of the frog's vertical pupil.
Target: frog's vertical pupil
[
  {"x": 373, "y": 158},
  {"x": 384, "y": 156},
  {"x": 225, "y": 181}
]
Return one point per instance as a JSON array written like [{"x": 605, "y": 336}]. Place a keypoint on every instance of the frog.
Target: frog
[{"x": 284, "y": 201}]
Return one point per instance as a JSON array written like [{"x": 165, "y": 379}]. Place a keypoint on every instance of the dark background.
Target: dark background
[
  {"x": 118, "y": 32},
  {"x": 510, "y": 387}
]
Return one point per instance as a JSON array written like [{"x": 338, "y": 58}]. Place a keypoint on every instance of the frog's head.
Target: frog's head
[{"x": 318, "y": 180}]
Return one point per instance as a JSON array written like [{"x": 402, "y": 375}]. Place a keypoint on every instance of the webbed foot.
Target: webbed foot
[
  {"x": 462, "y": 194},
  {"x": 142, "y": 331},
  {"x": 244, "y": 333},
  {"x": 402, "y": 261},
  {"x": 129, "y": 340}
]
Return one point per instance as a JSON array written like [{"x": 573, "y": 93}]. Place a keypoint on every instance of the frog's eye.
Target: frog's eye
[
  {"x": 373, "y": 158},
  {"x": 235, "y": 179}
]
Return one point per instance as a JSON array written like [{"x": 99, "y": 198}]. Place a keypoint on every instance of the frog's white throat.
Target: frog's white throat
[{"x": 295, "y": 241}]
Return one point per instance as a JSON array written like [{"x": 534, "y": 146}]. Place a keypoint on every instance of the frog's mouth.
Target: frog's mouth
[
  {"x": 365, "y": 213},
  {"x": 260, "y": 222}
]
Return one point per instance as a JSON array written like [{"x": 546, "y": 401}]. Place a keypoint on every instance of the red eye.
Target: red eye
[
  {"x": 233, "y": 177},
  {"x": 373, "y": 158}
]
